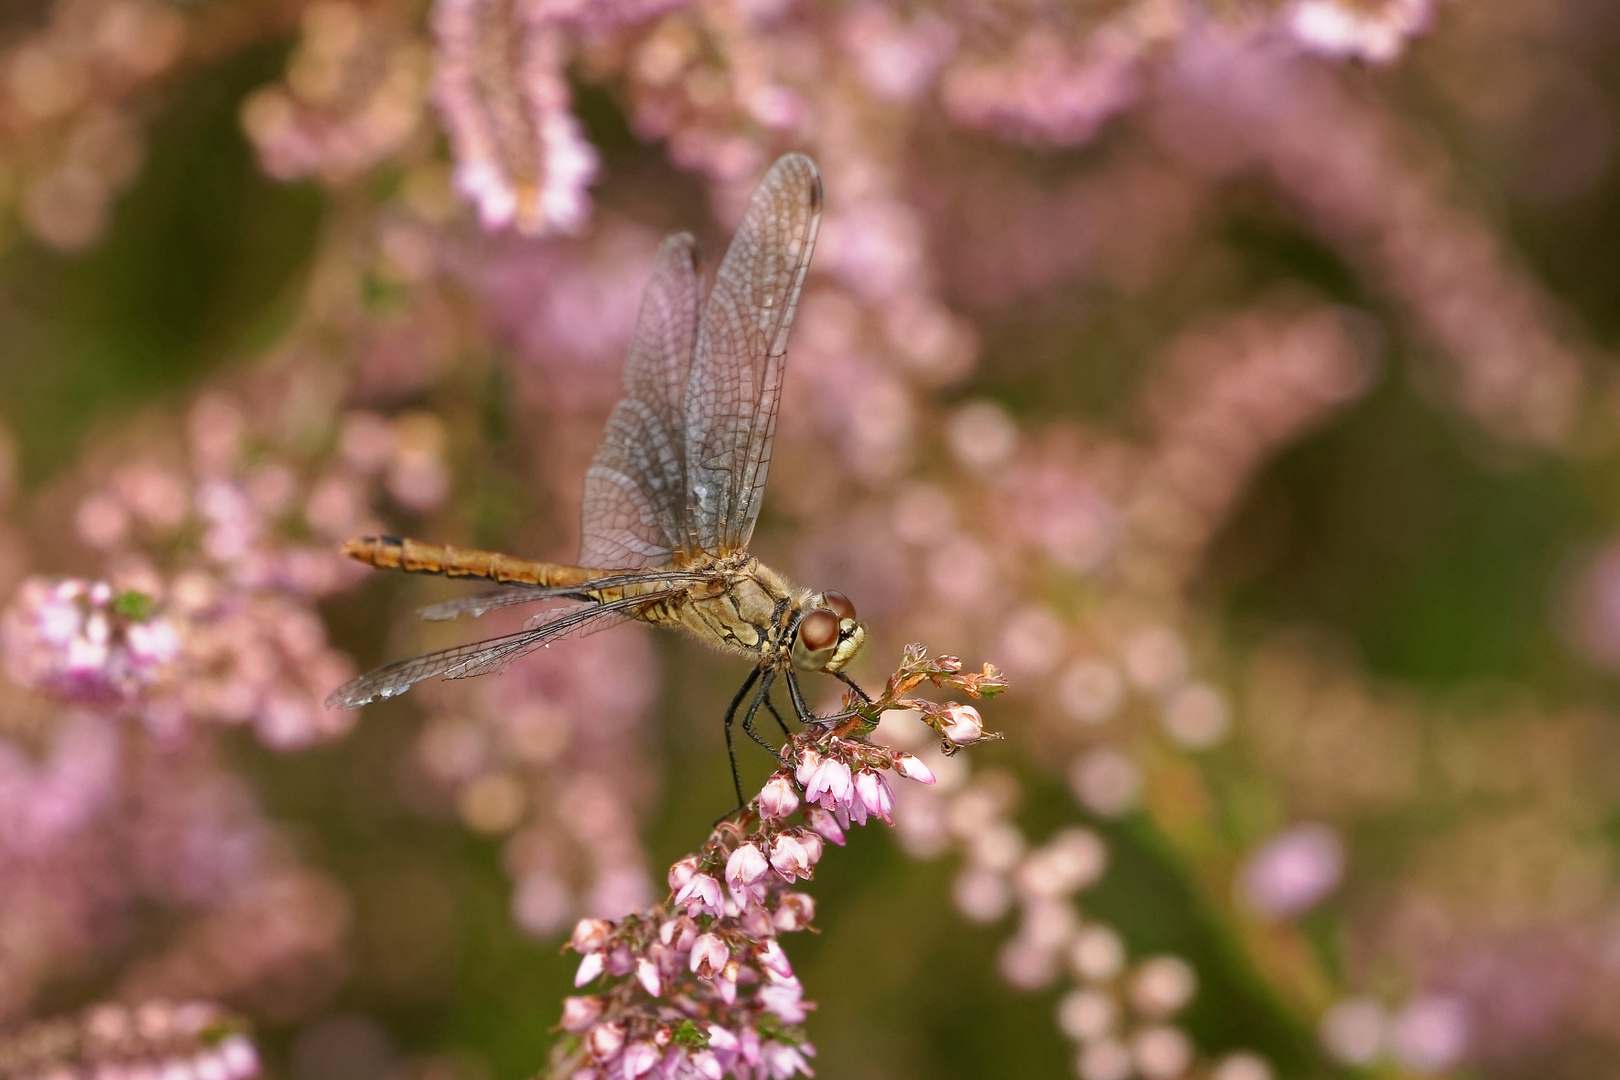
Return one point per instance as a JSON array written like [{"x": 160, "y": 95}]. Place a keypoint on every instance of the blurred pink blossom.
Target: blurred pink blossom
[{"x": 1293, "y": 871}]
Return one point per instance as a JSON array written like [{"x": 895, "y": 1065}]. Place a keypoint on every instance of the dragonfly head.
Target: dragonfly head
[{"x": 828, "y": 635}]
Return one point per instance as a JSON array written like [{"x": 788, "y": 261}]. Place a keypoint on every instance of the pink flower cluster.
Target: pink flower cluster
[
  {"x": 699, "y": 987},
  {"x": 521, "y": 155},
  {"x": 213, "y": 569},
  {"x": 354, "y": 93},
  {"x": 196, "y": 1040},
  {"x": 86, "y": 642}
]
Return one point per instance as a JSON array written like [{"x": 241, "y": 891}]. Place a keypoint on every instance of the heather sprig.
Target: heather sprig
[{"x": 700, "y": 986}]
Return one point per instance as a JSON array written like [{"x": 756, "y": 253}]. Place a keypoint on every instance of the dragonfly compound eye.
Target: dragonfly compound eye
[
  {"x": 818, "y": 630},
  {"x": 839, "y": 603}
]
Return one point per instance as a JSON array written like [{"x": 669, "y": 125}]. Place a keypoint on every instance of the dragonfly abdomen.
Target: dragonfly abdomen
[{"x": 415, "y": 557}]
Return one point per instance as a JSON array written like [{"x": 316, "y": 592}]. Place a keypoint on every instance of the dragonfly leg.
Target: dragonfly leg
[
  {"x": 731, "y": 714},
  {"x": 771, "y": 705},
  {"x": 800, "y": 709},
  {"x": 849, "y": 682},
  {"x": 763, "y": 694}
]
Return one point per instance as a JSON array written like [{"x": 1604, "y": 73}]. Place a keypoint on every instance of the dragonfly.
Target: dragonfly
[{"x": 673, "y": 492}]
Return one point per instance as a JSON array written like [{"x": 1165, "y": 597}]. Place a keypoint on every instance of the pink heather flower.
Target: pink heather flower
[
  {"x": 831, "y": 784},
  {"x": 785, "y": 999},
  {"x": 681, "y": 872},
  {"x": 724, "y": 1045},
  {"x": 78, "y": 639},
  {"x": 1430, "y": 1035},
  {"x": 1293, "y": 870},
  {"x": 605, "y": 1041},
  {"x": 794, "y": 911},
  {"x": 783, "y": 1061},
  {"x": 590, "y": 935},
  {"x": 589, "y": 968},
  {"x": 639, "y": 1059},
  {"x": 239, "y": 1056},
  {"x": 808, "y": 764},
  {"x": 754, "y": 921},
  {"x": 773, "y": 958},
  {"x": 962, "y": 724},
  {"x": 709, "y": 955},
  {"x": 520, "y": 154},
  {"x": 793, "y": 857},
  {"x": 874, "y": 795},
  {"x": 778, "y": 799},
  {"x": 701, "y": 894},
  {"x": 579, "y": 1013},
  {"x": 1377, "y": 33},
  {"x": 707, "y": 1065},
  {"x": 678, "y": 933},
  {"x": 726, "y": 982},
  {"x": 647, "y": 975},
  {"x": 745, "y": 867},
  {"x": 826, "y": 825},
  {"x": 912, "y": 768}
]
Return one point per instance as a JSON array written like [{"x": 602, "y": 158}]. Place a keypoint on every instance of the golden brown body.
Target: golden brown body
[{"x": 733, "y": 603}]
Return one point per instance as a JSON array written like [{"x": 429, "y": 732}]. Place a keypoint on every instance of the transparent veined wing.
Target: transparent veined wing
[
  {"x": 635, "y": 490},
  {"x": 479, "y": 657},
  {"x": 735, "y": 386}
]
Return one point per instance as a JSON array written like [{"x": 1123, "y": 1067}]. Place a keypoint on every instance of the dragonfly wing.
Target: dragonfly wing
[
  {"x": 734, "y": 389},
  {"x": 635, "y": 489},
  {"x": 476, "y": 604},
  {"x": 479, "y": 657}
]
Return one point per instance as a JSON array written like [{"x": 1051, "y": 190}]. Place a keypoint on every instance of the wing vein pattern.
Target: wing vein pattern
[
  {"x": 476, "y": 658},
  {"x": 735, "y": 386},
  {"x": 635, "y": 488}
]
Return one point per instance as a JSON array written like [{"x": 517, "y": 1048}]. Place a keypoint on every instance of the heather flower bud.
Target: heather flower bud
[
  {"x": 682, "y": 872},
  {"x": 726, "y": 983},
  {"x": 700, "y": 894},
  {"x": 808, "y": 764},
  {"x": 874, "y": 795},
  {"x": 831, "y": 784},
  {"x": 605, "y": 1041},
  {"x": 754, "y": 922},
  {"x": 639, "y": 1059},
  {"x": 791, "y": 857},
  {"x": 647, "y": 975},
  {"x": 794, "y": 912},
  {"x": 589, "y": 968},
  {"x": 778, "y": 799},
  {"x": 773, "y": 959},
  {"x": 746, "y": 866},
  {"x": 826, "y": 825},
  {"x": 579, "y": 1013},
  {"x": 782, "y": 1061},
  {"x": 590, "y": 935},
  {"x": 785, "y": 999},
  {"x": 240, "y": 1057},
  {"x": 912, "y": 768},
  {"x": 707, "y": 1065},
  {"x": 962, "y": 724},
  {"x": 709, "y": 955}
]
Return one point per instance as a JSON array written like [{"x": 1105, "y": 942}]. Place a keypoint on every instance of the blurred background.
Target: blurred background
[{"x": 1239, "y": 377}]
